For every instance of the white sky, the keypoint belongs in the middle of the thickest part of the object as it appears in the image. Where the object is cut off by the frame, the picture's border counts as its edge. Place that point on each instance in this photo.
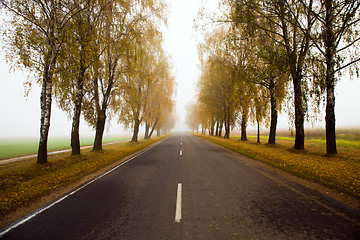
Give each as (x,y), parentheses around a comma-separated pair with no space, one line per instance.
(20,117)
(180,43)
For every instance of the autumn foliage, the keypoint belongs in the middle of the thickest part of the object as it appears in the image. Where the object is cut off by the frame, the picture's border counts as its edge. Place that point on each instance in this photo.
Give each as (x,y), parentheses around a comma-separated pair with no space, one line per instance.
(95,58)
(269,51)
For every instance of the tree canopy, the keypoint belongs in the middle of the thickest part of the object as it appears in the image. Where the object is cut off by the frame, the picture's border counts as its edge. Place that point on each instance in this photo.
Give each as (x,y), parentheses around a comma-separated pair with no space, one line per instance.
(276,50)
(85,53)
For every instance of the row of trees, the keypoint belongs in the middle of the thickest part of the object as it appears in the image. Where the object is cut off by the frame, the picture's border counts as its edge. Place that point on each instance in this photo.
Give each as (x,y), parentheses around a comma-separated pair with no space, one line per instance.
(96,58)
(263,52)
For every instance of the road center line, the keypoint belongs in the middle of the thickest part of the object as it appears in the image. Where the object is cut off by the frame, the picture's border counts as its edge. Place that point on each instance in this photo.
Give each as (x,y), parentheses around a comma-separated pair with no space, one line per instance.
(180,152)
(178,204)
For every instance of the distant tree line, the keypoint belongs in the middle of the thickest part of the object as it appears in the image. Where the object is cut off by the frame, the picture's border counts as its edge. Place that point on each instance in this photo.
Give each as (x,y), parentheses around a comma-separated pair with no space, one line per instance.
(97,58)
(264,53)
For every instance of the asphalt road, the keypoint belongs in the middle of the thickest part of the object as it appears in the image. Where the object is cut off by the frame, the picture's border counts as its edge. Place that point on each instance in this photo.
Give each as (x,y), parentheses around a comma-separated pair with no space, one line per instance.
(187,188)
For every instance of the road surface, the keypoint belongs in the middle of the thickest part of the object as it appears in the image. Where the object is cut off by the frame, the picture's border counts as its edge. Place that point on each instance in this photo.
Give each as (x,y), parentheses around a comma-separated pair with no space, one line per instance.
(187,188)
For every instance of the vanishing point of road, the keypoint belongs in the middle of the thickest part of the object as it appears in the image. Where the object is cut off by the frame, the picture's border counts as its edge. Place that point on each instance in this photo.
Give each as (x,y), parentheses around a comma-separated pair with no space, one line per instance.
(187,188)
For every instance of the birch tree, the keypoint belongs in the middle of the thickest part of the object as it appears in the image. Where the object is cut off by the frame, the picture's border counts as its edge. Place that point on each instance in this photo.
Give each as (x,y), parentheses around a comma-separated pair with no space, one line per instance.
(284,13)
(341,24)
(145,71)
(35,38)
(115,33)
(336,40)
(75,60)
(160,102)
(260,108)
(121,23)
(218,80)
(192,116)
(268,68)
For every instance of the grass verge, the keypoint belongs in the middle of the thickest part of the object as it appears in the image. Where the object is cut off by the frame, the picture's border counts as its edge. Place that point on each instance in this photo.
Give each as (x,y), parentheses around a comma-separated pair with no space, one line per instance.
(23,182)
(339,172)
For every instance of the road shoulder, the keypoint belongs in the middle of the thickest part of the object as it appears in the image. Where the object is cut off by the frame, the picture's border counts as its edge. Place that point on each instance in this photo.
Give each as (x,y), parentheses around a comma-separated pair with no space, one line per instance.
(340,197)
(58,193)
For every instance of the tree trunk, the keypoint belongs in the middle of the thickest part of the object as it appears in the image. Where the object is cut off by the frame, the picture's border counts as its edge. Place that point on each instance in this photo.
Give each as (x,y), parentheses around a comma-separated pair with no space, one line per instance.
(100,127)
(153,128)
(75,138)
(136,131)
(45,101)
(330,119)
(258,131)
(220,128)
(212,128)
(158,132)
(299,115)
(147,128)
(296,58)
(274,114)
(243,127)
(330,80)
(227,128)
(217,128)
(227,121)
(101,120)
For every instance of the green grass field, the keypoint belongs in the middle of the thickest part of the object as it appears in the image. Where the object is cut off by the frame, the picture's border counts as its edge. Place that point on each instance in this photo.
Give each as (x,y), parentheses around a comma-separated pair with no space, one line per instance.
(340,142)
(19,147)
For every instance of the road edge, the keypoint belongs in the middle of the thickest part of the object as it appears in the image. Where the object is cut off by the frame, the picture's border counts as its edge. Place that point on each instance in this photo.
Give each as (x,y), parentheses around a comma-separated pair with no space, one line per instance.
(314,186)
(23,212)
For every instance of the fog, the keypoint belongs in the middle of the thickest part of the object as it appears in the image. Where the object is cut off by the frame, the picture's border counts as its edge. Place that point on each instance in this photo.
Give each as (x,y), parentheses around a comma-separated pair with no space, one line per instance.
(20,116)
